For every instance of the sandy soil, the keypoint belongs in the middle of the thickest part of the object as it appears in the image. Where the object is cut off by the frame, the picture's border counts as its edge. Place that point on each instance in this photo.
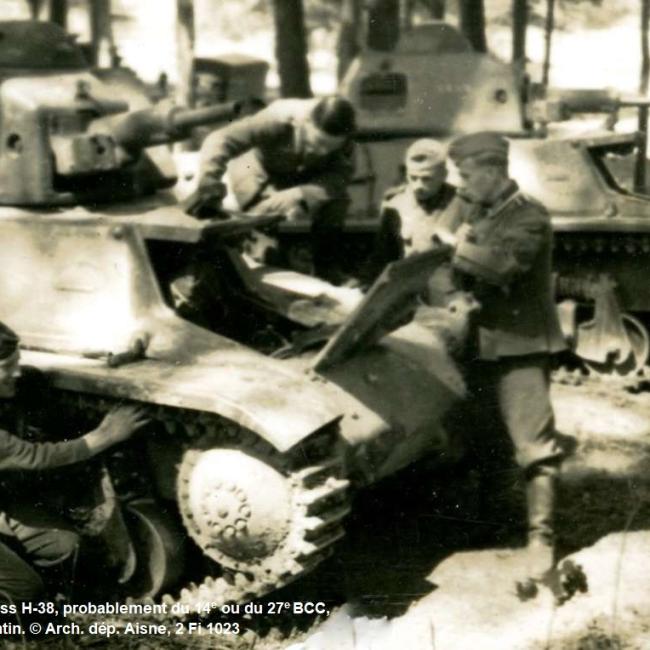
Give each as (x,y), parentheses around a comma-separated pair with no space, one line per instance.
(431,578)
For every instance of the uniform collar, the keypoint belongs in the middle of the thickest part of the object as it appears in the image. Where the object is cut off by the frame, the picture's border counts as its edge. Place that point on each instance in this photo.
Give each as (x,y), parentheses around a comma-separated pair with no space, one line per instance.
(434,201)
(510,189)
(508,192)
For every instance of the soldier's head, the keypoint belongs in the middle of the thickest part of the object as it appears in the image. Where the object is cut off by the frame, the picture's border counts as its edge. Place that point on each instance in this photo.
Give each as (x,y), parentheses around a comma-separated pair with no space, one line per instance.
(426,169)
(330,125)
(482,162)
(9,357)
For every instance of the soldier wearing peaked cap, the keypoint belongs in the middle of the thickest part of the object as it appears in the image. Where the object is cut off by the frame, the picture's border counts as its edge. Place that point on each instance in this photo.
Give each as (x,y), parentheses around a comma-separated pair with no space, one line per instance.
(410,213)
(502,253)
(30,535)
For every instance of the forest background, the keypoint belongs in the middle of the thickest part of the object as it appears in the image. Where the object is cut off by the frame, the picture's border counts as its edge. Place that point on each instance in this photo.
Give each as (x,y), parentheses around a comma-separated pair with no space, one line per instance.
(595,44)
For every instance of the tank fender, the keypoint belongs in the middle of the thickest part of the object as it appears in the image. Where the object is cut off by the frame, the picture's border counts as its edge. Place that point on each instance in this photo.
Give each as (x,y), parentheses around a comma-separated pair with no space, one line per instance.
(282,407)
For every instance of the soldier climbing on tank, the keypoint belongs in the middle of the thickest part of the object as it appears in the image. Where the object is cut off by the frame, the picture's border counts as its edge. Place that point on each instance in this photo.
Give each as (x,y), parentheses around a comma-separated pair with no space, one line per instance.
(32,535)
(298,164)
(501,242)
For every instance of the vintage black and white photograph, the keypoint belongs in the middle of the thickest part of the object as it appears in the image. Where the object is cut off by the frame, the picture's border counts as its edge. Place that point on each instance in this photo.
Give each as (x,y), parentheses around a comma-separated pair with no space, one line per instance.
(324,324)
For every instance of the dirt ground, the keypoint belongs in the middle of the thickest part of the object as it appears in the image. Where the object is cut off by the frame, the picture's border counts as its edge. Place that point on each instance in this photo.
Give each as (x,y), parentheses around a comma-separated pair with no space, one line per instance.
(437,574)
(428,562)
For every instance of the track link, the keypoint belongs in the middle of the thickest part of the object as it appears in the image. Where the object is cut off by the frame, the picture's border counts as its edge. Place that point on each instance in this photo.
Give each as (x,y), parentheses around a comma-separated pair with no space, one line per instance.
(318,503)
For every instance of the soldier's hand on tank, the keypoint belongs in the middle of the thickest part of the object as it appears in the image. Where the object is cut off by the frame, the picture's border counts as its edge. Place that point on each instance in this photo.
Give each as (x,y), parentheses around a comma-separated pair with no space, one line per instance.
(121,422)
(206,200)
(289,203)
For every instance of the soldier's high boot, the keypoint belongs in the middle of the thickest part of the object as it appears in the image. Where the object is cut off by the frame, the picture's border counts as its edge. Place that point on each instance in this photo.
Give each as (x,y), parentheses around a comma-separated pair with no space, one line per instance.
(540,496)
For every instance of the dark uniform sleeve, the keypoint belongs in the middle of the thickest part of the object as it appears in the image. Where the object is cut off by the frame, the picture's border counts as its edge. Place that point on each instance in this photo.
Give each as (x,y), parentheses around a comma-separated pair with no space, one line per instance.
(387,246)
(227,143)
(18,454)
(333,182)
(508,253)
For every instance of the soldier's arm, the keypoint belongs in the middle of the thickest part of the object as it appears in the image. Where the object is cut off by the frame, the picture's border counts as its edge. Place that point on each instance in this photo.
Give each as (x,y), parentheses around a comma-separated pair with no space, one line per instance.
(118,425)
(331,183)
(227,143)
(512,253)
(18,454)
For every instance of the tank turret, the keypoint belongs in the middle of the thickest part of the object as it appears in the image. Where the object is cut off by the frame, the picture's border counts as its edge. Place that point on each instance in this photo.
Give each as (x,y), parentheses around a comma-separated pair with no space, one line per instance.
(591,177)
(65,136)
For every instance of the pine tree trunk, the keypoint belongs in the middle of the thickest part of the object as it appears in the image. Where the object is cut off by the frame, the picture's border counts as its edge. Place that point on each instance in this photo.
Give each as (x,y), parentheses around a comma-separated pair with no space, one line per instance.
(59,12)
(347,44)
(437,9)
(184,51)
(291,48)
(472,23)
(103,49)
(645,54)
(549,24)
(383,24)
(519,24)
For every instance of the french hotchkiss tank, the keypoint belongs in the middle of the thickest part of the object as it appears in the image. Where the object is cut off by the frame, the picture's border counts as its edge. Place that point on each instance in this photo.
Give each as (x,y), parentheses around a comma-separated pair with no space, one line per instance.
(289,393)
(432,84)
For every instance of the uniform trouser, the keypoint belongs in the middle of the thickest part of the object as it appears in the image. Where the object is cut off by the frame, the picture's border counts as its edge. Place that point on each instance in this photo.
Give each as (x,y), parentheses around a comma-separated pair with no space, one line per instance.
(509,416)
(23,545)
(515,392)
(325,255)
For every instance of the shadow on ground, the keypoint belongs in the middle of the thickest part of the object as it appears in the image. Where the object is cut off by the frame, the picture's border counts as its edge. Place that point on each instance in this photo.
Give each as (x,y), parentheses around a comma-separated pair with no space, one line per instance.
(401,530)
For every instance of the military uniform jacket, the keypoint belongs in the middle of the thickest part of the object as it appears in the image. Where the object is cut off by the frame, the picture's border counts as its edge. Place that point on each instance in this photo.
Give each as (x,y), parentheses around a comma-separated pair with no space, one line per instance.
(276,158)
(407,226)
(505,259)
(18,454)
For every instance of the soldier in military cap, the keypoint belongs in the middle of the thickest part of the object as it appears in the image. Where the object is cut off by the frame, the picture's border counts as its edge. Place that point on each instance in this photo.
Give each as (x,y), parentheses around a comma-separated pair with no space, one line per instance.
(41,538)
(502,242)
(411,212)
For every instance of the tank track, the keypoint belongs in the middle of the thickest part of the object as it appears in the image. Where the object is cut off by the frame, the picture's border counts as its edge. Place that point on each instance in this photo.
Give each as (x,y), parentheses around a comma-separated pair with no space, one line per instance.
(319,503)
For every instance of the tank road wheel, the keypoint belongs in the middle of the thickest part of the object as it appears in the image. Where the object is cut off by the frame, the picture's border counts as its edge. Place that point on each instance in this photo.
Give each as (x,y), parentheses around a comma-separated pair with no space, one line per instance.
(249,508)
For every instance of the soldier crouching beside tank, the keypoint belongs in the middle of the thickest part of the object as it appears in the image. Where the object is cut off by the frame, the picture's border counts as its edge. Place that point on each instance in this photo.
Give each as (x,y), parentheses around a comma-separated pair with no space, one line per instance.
(298,164)
(47,540)
(502,243)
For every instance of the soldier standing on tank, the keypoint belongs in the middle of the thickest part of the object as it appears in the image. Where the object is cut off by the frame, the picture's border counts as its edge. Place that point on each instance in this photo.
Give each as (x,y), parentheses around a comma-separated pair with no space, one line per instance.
(502,242)
(42,538)
(298,164)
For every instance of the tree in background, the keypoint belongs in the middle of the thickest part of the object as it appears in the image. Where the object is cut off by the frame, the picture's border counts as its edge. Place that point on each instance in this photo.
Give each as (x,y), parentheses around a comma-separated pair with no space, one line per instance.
(549,24)
(472,23)
(383,24)
(291,48)
(519,25)
(436,8)
(59,12)
(347,42)
(645,54)
(185,37)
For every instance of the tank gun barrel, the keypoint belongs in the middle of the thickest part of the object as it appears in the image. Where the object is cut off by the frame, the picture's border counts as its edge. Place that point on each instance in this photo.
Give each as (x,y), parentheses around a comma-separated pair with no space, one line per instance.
(153,126)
